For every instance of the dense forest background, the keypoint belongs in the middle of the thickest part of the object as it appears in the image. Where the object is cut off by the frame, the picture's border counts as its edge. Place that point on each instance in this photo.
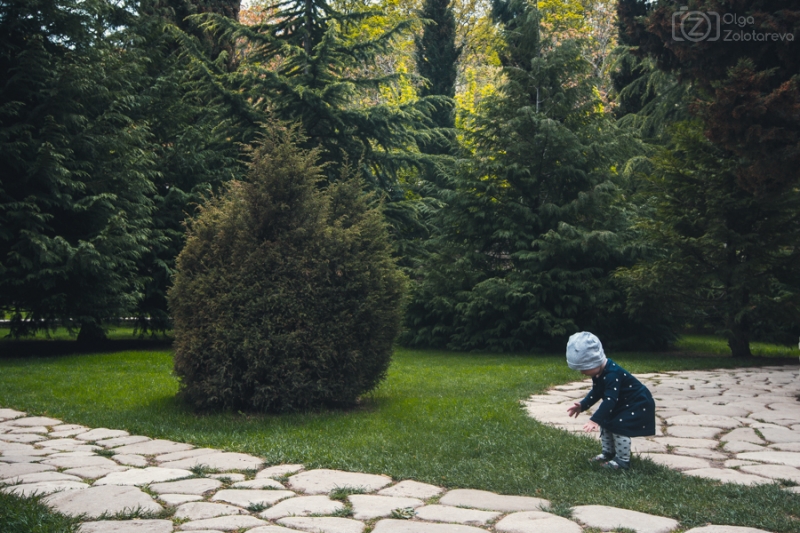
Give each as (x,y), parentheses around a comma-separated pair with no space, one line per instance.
(545,167)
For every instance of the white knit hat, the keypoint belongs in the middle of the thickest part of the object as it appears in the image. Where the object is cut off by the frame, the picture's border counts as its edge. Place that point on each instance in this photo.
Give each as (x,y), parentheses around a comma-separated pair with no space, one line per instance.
(584,351)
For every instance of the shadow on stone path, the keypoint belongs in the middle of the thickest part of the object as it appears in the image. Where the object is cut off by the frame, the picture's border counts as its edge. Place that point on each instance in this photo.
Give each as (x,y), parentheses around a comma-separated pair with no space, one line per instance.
(106,473)
(736,425)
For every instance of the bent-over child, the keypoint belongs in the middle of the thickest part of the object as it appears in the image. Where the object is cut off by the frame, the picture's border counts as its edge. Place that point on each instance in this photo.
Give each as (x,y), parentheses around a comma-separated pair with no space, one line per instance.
(628,409)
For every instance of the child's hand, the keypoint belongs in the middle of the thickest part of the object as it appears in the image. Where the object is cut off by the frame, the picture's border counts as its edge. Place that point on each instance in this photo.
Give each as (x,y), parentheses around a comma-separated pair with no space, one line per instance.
(575,410)
(590,426)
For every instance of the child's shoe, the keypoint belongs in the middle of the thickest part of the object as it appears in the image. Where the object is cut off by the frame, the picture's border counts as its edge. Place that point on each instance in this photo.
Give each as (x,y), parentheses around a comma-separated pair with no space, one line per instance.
(617,464)
(602,458)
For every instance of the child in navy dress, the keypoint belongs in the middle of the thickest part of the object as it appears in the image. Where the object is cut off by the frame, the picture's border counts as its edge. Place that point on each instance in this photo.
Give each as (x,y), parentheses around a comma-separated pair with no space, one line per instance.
(628,409)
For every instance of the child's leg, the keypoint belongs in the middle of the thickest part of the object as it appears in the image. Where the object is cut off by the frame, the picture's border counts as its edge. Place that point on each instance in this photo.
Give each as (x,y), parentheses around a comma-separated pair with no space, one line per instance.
(607,440)
(622,445)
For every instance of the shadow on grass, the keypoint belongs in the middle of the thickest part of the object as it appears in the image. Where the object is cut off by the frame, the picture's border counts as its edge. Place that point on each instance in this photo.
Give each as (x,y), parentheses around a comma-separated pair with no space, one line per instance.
(11,348)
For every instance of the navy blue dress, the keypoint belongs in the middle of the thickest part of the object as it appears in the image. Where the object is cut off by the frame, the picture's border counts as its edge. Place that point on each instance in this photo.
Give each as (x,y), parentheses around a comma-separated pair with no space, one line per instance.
(628,408)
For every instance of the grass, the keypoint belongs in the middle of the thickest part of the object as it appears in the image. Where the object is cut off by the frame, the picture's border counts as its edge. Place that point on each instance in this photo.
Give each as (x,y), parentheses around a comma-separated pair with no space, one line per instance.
(63,334)
(715,345)
(19,514)
(450,419)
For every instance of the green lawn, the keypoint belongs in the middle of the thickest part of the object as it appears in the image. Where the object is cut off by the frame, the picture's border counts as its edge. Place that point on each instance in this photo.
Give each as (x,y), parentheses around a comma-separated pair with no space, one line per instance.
(451,419)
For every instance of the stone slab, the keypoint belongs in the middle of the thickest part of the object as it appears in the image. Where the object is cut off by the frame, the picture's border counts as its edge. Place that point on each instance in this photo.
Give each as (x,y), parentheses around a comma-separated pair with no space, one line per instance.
(81,461)
(783,458)
(218,461)
(770,471)
(177,499)
(45,487)
(203,510)
(786,446)
(154,447)
(94,472)
(19,469)
(458,515)
(277,471)
(412,489)
(34,421)
(20,458)
(29,429)
(727,475)
(536,522)
(20,448)
(9,414)
(127,526)
(22,438)
(780,435)
(143,476)
(686,443)
(702,453)
(481,499)
(677,462)
(177,456)
(725,529)
(39,477)
(95,501)
(323,524)
(608,518)
(273,529)
(248,497)
(302,506)
(65,433)
(196,486)
(263,483)
(229,477)
(369,506)
(101,433)
(412,526)
(130,460)
(323,481)
(223,523)
(743,435)
(716,421)
(693,432)
(738,446)
(122,441)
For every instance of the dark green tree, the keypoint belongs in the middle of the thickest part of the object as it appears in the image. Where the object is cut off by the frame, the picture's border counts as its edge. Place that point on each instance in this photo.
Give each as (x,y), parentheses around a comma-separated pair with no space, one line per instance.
(534,222)
(286,296)
(77,167)
(718,255)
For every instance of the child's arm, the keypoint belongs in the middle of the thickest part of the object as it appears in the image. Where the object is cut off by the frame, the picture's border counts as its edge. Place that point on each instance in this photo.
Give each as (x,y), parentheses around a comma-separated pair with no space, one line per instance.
(610,398)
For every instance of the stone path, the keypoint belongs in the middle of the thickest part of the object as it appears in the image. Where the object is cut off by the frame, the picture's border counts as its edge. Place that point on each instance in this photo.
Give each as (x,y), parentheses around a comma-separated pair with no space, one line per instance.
(736,426)
(127,483)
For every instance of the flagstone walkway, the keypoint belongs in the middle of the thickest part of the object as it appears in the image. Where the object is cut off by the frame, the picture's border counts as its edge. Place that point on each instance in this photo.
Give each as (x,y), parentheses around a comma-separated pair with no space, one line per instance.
(736,426)
(118,482)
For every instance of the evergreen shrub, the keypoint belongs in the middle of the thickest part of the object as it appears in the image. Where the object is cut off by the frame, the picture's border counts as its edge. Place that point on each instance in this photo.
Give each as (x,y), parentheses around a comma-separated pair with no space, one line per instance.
(285,296)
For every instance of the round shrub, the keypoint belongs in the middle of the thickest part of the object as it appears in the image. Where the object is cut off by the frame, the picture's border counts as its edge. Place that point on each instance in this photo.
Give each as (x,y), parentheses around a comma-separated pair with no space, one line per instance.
(285,296)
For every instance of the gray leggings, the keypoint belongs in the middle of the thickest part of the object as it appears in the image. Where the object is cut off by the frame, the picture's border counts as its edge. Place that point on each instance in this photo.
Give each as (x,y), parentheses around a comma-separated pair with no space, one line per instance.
(617,446)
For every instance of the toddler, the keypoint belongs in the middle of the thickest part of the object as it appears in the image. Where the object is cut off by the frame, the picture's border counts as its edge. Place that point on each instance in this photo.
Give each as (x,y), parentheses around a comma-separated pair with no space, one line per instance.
(628,409)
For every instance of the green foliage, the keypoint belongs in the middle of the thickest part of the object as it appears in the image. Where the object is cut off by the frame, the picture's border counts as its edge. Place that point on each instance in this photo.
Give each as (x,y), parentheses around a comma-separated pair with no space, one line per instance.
(720,255)
(535,221)
(20,514)
(285,296)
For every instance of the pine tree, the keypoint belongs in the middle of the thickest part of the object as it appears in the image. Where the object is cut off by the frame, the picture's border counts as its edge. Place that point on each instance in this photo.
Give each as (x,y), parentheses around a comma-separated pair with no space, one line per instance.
(534,222)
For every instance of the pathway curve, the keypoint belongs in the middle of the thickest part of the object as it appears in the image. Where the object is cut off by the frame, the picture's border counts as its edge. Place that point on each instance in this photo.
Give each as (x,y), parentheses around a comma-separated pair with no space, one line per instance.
(734,425)
(127,483)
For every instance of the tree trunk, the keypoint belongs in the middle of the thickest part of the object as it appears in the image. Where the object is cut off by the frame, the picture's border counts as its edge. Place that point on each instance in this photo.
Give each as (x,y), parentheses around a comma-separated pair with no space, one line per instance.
(739,338)
(91,333)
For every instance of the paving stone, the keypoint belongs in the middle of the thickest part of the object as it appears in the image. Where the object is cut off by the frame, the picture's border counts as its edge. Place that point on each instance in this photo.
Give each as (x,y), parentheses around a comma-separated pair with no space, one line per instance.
(775,417)
(41,476)
(9,414)
(302,506)
(279,471)
(67,445)
(273,529)
(20,458)
(223,523)
(786,446)
(686,443)
(726,475)
(78,462)
(130,460)
(95,501)
(677,462)
(19,448)
(248,497)
(647,446)
(94,472)
(31,429)
(45,487)
(203,510)
(154,447)
(412,526)
(143,476)
(230,477)
(733,463)
(459,515)
(323,524)
(22,438)
(263,483)
(703,408)
(770,471)
(701,452)
(187,486)
(536,522)
(177,456)
(743,435)
(64,433)
(127,526)
(218,461)
(122,441)
(780,435)
(693,432)
(725,529)
(19,469)
(177,499)
(323,481)
(481,499)
(741,447)
(412,489)
(368,506)
(34,421)
(70,427)
(783,458)
(102,433)
(716,421)
(608,518)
